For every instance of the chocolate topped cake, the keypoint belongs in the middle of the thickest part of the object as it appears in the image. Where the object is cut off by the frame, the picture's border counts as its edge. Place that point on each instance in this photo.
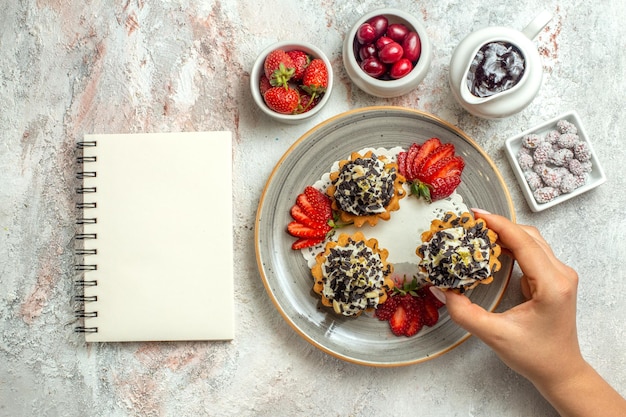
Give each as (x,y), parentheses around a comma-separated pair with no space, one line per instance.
(366,188)
(352,275)
(459,252)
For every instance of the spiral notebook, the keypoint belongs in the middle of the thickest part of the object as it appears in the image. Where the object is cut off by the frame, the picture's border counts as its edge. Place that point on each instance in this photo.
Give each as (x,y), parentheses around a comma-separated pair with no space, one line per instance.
(155,242)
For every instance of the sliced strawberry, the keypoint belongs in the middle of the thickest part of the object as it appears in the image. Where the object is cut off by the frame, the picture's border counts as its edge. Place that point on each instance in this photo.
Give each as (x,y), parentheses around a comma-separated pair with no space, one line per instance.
(308,209)
(320,203)
(410,156)
(441,188)
(446,167)
(301,217)
(305,242)
(416,320)
(402,156)
(409,303)
(427,147)
(431,312)
(399,321)
(441,152)
(299,230)
(425,292)
(385,310)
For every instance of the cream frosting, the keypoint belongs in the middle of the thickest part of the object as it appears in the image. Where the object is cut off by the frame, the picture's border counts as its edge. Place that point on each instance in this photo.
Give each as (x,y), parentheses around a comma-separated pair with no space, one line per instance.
(364,186)
(353,278)
(457,257)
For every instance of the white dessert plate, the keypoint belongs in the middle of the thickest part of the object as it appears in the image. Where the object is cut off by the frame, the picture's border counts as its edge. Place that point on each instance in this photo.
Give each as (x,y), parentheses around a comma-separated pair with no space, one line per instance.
(285,274)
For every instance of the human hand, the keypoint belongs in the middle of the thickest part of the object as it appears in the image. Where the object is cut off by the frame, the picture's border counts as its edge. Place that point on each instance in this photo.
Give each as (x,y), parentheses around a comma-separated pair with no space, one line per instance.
(537,338)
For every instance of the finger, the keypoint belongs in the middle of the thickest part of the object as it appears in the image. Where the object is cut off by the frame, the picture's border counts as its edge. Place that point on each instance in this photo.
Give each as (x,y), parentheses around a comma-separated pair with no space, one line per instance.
(469,316)
(541,241)
(529,253)
(525,286)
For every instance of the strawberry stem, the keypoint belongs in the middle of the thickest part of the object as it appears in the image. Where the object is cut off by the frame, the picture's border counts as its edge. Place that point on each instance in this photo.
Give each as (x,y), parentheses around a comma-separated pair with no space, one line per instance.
(420,189)
(309,103)
(281,76)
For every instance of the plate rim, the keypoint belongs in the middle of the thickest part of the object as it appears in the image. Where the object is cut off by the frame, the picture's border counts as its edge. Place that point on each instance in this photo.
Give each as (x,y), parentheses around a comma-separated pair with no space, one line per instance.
(268,182)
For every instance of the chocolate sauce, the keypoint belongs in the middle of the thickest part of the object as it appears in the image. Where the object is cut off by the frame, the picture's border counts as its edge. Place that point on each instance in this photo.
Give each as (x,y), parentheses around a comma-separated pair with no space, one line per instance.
(497,67)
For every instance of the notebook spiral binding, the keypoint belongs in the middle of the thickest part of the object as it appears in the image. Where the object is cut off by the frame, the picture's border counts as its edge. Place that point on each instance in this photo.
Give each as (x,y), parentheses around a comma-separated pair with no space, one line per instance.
(85,266)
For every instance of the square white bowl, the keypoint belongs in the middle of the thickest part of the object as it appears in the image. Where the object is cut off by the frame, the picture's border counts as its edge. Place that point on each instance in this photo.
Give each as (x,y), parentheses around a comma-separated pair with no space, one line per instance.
(513,145)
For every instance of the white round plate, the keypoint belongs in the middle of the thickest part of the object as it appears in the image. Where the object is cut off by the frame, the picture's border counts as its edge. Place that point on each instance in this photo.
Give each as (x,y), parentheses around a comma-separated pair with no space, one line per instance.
(288,280)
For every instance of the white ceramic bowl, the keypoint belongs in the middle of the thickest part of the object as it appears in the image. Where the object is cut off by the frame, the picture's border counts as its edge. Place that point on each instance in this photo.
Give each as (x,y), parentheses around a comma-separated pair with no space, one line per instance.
(257,72)
(514,144)
(388,88)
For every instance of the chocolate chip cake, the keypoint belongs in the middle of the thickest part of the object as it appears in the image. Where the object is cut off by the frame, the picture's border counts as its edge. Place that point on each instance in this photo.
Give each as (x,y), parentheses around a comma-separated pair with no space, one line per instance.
(352,274)
(459,252)
(366,188)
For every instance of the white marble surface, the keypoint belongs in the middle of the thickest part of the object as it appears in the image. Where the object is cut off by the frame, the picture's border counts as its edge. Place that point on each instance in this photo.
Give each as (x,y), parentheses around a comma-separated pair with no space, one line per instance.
(70,67)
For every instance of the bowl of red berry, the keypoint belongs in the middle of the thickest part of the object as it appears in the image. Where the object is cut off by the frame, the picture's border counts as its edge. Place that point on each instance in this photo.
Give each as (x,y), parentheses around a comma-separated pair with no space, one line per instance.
(387,53)
(291,81)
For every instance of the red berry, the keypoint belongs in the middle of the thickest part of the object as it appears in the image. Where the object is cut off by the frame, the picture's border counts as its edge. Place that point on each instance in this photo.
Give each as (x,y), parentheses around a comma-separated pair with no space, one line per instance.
(416,319)
(425,149)
(400,68)
(443,187)
(278,67)
(282,100)
(430,312)
(397,31)
(306,102)
(412,47)
(449,166)
(399,321)
(373,67)
(366,33)
(301,217)
(300,230)
(432,169)
(439,153)
(380,24)
(425,292)
(300,61)
(315,79)
(390,53)
(366,51)
(382,41)
(385,310)
(408,164)
(306,242)
(264,84)
(320,203)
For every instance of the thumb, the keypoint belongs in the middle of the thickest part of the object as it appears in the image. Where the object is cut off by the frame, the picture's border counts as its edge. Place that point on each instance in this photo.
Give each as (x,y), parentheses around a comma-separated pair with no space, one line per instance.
(468,315)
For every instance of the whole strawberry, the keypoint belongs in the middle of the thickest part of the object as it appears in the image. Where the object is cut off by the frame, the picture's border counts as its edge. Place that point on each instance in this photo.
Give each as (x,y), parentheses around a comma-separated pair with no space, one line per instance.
(264,84)
(278,67)
(300,60)
(315,79)
(306,102)
(284,100)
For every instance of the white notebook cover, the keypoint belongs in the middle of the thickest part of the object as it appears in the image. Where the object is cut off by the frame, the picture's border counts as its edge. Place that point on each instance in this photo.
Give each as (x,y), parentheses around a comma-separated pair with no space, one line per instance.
(164,237)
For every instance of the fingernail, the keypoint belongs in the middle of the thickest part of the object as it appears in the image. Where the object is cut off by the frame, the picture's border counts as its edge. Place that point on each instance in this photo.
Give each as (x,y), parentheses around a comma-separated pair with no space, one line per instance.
(480,211)
(439,295)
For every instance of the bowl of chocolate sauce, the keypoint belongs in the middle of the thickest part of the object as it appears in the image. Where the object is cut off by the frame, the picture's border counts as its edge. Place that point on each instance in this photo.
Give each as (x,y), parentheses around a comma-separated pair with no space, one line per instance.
(496,71)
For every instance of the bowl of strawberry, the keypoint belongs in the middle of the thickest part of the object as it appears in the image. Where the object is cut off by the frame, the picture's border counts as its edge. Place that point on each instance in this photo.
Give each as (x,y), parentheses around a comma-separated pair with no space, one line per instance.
(291,81)
(387,53)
